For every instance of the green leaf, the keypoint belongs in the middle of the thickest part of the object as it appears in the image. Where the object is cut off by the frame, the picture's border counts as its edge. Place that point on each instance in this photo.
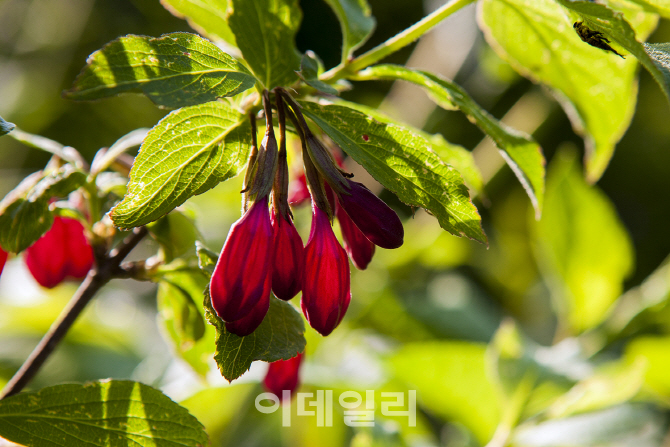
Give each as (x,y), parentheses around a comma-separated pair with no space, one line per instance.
(188,152)
(613,384)
(402,162)
(206,17)
(111,412)
(450,380)
(279,337)
(653,351)
(265,32)
(6,127)
(518,149)
(623,425)
(24,212)
(583,248)
(539,41)
(174,70)
(356,22)
(179,295)
(661,7)
(206,259)
(309,72)
(176,234)
(660,54)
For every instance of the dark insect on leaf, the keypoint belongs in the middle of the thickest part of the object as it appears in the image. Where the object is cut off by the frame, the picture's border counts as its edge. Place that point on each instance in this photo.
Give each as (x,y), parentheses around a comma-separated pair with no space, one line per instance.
(594,38)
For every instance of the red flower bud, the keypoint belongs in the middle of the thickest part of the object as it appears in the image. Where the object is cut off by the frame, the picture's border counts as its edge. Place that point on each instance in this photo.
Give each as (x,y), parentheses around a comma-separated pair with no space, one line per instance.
(243,273)
(289,259)
(358,247)
(61,252)
(379,223)
(326,287)
(3,259)
(283,375)
(247,324)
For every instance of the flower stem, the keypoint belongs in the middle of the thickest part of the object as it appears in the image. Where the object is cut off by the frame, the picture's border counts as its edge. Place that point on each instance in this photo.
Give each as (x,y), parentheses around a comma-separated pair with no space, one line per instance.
(108,269)
(396,42)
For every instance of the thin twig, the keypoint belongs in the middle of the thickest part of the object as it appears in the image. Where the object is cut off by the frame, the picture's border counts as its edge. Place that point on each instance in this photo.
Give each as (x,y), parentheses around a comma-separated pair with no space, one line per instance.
(94,281)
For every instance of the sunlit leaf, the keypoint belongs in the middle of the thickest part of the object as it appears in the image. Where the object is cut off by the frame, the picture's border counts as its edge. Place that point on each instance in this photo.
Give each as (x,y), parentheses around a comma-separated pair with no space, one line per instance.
(279,337)
(24,212)
(623,425)
(583,247)
(188,152)
(173,70)
(653,351)
(265,33)
(309,72)
(596,88)
(356,22)
(520,151)
(206,17)
(611,385)
(402,161)
(450,380)
(111,412)
(661,7)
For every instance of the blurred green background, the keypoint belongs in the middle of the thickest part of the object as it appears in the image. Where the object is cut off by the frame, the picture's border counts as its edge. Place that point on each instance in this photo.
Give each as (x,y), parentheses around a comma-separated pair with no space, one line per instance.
(560,329)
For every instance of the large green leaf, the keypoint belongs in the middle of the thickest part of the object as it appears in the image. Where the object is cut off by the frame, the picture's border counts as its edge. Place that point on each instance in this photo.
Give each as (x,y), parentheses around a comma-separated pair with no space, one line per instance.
(356,22)
(452,154)
(6,127)
(520,151)
(179,295)
(188,152)
(279,337)
(206,17)
(265,32)
(583,248)
(111,412)
(402,161)
(661,7)
(451,381)
(24,212)
(173,70)
(537,38)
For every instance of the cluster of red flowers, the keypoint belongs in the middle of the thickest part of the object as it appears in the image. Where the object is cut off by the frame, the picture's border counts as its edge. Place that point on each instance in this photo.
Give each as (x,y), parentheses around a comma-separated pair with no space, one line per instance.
(62,252)
(263,251)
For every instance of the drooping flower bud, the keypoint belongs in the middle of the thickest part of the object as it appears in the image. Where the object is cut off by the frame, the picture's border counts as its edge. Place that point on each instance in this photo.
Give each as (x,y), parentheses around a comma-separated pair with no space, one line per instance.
(326,285)
(379,223)
(283,375)
(289,258)
(243,273)
(358,247)
(3,259)
(61,252)
(247,324)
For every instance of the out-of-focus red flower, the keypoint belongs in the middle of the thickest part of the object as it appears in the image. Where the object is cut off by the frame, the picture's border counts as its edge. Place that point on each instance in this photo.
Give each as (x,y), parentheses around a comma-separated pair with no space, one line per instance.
(61,252)
(297,190)
(3,259)
(283,375)
(379,223)
(250,322)
(243,273)
(289,258)
(358,247)
(326,285)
